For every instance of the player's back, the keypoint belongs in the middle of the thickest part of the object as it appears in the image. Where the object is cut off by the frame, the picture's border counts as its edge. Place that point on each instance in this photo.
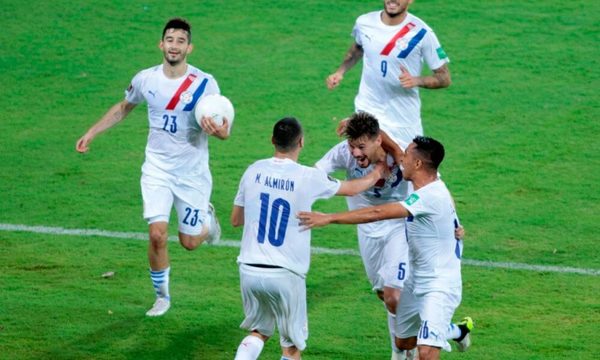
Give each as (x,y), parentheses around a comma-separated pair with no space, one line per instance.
(272,192)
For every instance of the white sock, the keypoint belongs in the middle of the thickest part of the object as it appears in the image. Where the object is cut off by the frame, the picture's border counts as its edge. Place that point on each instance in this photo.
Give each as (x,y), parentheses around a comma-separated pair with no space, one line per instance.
(249,348)
(412,354)
(392,329)
(454,332)
(160,281)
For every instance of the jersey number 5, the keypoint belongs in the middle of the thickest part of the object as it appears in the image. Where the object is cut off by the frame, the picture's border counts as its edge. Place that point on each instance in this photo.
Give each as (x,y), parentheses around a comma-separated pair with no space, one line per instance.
(280,214)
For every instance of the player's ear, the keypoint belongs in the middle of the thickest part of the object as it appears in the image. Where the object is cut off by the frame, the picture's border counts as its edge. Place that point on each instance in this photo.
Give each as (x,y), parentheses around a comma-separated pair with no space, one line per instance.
(190,48)
(301,142)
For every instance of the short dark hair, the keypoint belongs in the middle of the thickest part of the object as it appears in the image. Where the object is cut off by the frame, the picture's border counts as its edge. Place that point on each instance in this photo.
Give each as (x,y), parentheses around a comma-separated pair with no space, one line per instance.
(178,24)
(430,150)
(361,124)
(286,134)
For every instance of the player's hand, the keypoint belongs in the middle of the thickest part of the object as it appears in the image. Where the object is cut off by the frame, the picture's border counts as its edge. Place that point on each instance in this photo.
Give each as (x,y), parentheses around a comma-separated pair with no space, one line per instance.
(309,220)
(211,128)
(382,169)
(459,233)
(334,80)
(83,143)
(341,128)
(407,80)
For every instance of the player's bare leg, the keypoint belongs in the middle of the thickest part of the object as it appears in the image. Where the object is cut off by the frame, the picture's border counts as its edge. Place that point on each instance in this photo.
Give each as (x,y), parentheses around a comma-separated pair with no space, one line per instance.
(428,352)
(211,232)
(159,267)
(391,297)
(291,352)
(408,347)
(190,242)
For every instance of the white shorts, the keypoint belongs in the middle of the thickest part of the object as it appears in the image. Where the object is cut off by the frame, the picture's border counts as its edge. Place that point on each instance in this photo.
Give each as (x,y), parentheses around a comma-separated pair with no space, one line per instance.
(427,316)
(190,197)
(386,257)
(275,297)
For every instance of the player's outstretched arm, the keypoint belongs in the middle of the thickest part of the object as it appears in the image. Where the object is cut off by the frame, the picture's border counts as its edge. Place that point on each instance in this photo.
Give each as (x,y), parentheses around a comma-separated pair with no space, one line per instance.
(310,220)
(355,186)
(115,114)
(354,54)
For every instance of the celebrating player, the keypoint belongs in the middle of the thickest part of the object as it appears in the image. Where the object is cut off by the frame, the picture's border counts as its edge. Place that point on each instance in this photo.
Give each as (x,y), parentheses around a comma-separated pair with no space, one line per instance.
(394,44)
(275,255)
(175,171)
(433,289)
(382,244)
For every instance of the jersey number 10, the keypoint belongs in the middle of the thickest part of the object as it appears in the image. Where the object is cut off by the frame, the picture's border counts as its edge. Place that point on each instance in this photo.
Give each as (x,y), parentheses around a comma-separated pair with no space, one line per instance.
(280,214)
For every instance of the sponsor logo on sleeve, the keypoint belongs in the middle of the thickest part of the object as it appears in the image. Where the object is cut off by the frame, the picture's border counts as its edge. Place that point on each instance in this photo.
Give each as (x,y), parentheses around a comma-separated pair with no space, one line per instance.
(412,199)
(441,53)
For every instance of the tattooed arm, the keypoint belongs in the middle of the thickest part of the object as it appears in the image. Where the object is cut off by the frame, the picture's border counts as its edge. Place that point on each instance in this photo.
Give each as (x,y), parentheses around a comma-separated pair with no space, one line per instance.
(354,54)
(439,79)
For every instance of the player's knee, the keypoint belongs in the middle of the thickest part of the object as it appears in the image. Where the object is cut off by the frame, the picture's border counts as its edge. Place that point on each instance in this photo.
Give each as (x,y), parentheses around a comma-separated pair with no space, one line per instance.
(429,353)
(158,238)
(380,295)
(291,352)
(391,303)
(406,344)
(391,298)
(190,242)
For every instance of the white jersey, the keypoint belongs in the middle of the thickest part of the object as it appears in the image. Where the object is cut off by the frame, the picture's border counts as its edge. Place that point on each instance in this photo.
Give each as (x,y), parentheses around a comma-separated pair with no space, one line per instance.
(434,252)
(386,48)
(272,191)
(392,189)
(176,144)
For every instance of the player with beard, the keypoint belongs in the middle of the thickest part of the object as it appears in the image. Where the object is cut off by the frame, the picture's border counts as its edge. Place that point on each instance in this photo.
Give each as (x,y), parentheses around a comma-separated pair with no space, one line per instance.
(175,171)
(382,244)
(393,45)
(433,289)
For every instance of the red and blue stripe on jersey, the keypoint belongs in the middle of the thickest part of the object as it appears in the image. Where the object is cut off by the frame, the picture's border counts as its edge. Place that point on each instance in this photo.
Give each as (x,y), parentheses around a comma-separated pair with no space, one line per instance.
(400,34)
(189,80)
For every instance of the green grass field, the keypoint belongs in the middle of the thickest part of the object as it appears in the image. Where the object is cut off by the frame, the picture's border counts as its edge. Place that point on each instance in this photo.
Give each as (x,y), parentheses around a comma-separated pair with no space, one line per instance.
(520,126)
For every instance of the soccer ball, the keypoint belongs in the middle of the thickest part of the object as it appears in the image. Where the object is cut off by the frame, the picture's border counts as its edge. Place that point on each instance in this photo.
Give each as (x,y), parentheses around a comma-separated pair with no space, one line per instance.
(215,106)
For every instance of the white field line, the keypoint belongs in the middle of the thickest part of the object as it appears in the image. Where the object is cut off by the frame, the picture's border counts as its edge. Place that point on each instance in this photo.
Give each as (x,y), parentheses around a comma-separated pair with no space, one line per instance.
(315,250)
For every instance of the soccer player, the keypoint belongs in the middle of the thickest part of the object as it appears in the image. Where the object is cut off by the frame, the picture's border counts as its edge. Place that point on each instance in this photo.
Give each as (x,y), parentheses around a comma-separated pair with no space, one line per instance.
(382,244)
(275,255)
(433,289)
(175,171)
(393,45)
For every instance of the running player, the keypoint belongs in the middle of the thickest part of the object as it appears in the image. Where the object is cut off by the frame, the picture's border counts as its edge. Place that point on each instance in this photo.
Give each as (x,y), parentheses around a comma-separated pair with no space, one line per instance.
(175,171)
(275,255)
(393,45)
(382,244)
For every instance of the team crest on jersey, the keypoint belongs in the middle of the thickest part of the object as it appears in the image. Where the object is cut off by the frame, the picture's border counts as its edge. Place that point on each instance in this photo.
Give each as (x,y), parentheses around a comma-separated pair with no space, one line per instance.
(401,44)
(186,97)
